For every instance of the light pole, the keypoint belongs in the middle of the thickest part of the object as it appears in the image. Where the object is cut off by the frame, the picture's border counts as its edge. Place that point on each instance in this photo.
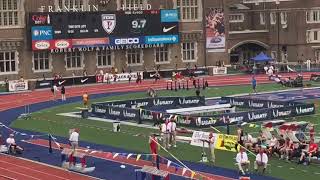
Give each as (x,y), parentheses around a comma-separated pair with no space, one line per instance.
(301,63)
(278,30)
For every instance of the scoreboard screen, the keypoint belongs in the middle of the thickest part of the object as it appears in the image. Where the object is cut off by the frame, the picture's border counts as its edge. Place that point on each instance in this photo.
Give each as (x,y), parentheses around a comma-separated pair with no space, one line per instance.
(67,29)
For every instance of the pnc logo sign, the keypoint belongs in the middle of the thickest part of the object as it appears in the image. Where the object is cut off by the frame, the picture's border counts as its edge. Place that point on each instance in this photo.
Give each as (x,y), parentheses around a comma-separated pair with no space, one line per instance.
(42,33)
(123,41)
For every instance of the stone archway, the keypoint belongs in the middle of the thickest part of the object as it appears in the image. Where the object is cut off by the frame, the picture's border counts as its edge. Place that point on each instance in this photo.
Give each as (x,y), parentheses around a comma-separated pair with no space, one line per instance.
(241,52)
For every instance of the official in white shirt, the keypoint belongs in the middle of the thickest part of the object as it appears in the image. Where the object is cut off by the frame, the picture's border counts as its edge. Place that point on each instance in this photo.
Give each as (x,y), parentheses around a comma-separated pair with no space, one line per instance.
(74,139)
(261,160)
(13,147)
(55,89)
(242,160)
(173,133)
(211,147)
(165,132)
(10,140)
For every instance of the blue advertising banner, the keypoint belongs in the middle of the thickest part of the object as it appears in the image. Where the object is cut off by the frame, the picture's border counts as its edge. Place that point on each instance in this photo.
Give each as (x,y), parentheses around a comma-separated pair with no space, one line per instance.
(138,110)
(162,39)
(256,103)
(41,33)
(116,41)
(169,15)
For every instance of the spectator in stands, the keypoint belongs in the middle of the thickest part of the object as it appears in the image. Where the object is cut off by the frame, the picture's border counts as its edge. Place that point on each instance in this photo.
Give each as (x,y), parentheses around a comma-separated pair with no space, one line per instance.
(297,150)
(85,99)
(63,93)
(287,149)
(273,144)
(242,161)
(261,161)
(74,138)
(248,141)
(261,141)
(279,146)
(240,137)
(311,131)
(312,151)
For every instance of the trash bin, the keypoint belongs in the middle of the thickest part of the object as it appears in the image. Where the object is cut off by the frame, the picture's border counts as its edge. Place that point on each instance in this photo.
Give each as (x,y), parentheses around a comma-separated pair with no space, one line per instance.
(85,114)
(116,126)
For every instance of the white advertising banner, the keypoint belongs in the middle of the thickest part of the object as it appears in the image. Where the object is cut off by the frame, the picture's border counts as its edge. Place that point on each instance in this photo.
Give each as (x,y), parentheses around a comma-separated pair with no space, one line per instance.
(219,70)
(18,86)
(121,77)
(199,136)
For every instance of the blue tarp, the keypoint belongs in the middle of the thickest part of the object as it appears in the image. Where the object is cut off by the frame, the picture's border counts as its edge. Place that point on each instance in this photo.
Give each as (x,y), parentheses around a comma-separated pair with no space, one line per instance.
(261,58)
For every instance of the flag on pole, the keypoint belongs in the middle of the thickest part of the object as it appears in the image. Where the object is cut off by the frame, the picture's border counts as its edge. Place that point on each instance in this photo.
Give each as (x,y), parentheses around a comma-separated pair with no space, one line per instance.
(168,164)
(184,171)
(129,155)
(192,174)
(138,157)
(115,155)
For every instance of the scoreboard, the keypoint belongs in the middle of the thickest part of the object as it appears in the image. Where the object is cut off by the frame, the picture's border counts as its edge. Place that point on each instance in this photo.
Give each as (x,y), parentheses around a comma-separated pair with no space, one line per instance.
(70,29)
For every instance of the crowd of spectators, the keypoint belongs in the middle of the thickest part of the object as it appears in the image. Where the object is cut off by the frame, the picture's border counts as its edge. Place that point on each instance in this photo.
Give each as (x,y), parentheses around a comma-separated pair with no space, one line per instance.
(301,151)
(267,145)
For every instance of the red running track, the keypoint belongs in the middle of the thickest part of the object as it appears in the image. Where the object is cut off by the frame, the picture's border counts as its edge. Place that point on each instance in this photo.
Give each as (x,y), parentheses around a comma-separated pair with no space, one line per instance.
(21,99)
(108,156)
(12,168)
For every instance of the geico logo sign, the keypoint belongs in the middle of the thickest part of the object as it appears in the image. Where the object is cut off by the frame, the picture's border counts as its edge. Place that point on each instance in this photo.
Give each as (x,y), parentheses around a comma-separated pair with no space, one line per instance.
(127,41)
(42,45)
(62,44)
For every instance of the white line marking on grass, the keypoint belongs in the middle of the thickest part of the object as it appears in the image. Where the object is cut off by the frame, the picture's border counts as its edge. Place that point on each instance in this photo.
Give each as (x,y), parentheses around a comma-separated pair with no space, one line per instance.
(292,168)
(265,92)
(72,114)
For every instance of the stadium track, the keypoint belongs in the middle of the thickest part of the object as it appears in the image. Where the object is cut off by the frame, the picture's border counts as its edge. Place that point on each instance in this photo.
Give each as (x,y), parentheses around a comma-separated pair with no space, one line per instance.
(21,99)
(16,168)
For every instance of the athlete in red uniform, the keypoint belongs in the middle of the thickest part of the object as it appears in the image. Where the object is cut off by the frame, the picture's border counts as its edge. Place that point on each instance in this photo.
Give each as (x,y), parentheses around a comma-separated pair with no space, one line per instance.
(153,143)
